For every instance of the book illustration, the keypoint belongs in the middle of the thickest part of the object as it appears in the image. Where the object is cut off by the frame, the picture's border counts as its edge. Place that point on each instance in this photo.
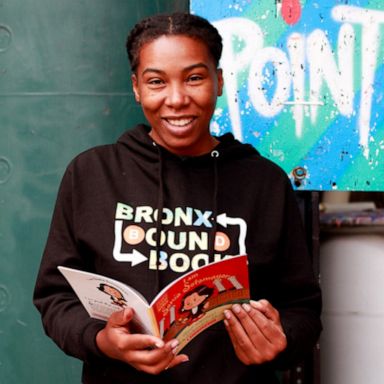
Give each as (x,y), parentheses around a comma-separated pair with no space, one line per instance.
(182,310)
(115,295)
(195,302)
(187,315)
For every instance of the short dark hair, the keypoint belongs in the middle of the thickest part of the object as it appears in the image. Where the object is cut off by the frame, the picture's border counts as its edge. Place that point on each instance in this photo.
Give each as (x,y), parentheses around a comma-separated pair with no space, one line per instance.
(177,23)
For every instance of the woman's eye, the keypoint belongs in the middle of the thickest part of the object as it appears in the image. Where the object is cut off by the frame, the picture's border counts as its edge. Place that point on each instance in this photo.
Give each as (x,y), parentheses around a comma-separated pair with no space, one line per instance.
(195,78)
(155,82)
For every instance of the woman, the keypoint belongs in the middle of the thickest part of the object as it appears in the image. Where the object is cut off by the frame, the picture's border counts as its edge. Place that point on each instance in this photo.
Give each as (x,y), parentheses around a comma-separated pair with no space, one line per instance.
(153,205)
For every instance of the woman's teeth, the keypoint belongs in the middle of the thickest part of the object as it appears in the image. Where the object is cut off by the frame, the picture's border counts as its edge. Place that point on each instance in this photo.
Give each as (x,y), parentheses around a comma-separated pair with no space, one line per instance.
(179,122)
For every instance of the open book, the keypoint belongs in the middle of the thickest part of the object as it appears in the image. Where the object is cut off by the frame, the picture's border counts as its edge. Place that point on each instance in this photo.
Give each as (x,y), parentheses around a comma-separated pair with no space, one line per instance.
(182,310)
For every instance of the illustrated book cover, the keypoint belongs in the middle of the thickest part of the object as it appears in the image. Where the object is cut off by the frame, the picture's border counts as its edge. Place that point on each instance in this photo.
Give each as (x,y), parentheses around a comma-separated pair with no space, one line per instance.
(182,310)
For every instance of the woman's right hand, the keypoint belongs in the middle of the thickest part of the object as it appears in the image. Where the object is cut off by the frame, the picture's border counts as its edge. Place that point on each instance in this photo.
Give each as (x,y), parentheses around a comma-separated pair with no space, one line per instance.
(144,352)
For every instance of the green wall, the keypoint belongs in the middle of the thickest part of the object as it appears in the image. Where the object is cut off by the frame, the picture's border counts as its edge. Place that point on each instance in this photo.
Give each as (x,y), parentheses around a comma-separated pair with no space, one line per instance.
(64,87)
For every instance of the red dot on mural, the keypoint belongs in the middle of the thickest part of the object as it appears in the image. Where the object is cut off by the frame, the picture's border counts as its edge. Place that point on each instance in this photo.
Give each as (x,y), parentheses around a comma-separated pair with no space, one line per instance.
(291,11)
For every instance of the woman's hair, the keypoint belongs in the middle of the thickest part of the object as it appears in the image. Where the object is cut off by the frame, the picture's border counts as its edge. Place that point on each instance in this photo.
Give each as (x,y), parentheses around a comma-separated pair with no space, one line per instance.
(177,23)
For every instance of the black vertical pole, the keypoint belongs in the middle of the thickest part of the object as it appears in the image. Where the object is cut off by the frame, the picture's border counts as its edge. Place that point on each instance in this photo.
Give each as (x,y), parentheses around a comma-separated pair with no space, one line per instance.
(308,372)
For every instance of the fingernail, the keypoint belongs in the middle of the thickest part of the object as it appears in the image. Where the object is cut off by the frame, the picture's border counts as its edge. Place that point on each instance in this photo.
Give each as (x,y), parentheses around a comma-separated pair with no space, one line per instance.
(185,359)
(174,351)
(226,323)
(159,344)
(236,308)
(255,304)
(246,307)
(227,314)
(174,344)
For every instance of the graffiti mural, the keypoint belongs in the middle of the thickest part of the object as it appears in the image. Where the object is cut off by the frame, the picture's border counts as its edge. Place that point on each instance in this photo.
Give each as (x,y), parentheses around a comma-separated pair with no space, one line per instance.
(304,83)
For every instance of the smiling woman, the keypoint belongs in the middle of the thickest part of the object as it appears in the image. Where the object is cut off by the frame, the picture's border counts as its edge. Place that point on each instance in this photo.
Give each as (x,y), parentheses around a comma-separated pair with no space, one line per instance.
(178,93)
(169,198)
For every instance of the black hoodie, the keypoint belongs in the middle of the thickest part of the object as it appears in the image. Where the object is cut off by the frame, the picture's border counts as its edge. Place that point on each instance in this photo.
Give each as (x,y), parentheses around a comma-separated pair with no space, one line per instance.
(106,221)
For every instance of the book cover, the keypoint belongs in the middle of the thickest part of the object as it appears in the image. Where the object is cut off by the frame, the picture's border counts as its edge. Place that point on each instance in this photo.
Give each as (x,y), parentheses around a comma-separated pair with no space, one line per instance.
(182,310)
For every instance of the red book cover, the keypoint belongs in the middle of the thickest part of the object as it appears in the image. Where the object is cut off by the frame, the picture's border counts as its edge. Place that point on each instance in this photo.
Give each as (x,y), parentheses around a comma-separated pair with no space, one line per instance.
(182,310)
(197,300)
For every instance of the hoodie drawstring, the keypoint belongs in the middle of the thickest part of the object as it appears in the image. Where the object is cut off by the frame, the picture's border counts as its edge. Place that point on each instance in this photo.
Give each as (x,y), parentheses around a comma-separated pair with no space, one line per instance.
(160,206)
(211,249)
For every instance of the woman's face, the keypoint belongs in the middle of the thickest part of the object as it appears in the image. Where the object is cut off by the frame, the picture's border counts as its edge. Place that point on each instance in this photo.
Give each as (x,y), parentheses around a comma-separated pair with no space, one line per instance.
(177,84)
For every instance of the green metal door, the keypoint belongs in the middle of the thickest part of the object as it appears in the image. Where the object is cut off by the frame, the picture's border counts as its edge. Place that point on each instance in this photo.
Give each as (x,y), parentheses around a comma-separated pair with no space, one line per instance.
(64,87)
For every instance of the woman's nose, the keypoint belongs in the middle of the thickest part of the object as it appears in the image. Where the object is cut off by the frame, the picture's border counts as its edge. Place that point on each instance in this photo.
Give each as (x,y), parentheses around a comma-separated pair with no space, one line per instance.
(177,96)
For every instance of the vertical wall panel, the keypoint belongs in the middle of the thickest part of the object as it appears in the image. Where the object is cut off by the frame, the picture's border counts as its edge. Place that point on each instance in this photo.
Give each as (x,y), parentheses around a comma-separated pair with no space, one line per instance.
(64,87)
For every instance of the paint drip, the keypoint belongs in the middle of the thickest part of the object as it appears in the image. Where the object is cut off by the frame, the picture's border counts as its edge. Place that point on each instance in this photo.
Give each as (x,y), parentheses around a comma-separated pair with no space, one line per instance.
(291,11)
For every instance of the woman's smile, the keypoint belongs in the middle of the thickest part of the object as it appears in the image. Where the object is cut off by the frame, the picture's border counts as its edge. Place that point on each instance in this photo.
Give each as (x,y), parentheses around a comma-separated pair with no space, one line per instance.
(179,122)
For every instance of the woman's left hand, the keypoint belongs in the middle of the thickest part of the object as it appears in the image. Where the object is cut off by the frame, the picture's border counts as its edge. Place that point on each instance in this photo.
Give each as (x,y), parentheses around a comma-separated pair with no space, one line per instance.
(255,331)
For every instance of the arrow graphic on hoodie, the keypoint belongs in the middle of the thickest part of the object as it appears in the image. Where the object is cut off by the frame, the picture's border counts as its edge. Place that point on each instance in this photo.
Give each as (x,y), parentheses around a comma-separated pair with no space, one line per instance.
(225,220)
(135,257)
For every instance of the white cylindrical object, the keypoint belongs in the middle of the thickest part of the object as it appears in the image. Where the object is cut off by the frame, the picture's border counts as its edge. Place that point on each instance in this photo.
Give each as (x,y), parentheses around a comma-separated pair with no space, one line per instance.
(352,279)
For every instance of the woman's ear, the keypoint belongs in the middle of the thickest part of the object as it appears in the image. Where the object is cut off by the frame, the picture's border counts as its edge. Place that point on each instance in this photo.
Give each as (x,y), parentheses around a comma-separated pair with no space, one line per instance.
(135,88)
(220,82)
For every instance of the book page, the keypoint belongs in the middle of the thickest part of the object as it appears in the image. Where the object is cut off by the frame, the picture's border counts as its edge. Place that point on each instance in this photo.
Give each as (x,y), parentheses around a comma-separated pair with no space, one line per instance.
(198,299)
(101,296)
